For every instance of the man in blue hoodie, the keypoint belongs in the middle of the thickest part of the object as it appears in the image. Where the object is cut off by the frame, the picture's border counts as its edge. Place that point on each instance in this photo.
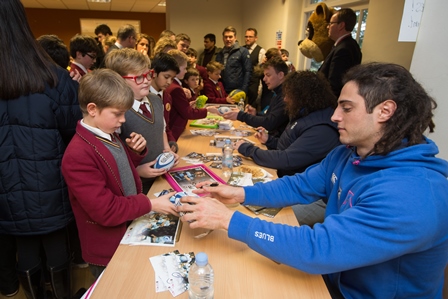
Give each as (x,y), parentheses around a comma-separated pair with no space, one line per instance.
(385,233)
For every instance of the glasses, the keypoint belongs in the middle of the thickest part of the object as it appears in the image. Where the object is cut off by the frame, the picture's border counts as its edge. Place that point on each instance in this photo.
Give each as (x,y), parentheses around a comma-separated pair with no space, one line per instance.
(91,56)
(140,79)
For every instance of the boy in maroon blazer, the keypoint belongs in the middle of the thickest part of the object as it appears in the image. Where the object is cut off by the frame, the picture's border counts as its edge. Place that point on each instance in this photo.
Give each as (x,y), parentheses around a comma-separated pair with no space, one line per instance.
(181,111)
(84,51)
(213,88)
(100,170)
(191,82)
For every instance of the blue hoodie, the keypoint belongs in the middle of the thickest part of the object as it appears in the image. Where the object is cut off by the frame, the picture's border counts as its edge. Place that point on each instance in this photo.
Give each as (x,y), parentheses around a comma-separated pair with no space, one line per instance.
(385,233)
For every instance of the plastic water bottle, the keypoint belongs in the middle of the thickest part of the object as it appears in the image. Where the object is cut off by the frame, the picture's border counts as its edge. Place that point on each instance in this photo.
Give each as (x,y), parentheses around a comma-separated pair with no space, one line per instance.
(227,159)
(241,105)
(200,278)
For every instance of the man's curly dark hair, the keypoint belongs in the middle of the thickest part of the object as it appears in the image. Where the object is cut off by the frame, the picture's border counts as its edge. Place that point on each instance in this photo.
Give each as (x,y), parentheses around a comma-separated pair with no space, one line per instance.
(378,82)
(306,92)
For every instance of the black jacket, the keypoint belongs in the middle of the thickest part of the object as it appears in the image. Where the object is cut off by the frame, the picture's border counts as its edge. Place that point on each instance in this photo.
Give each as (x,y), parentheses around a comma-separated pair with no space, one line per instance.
(238,69)
(304,142)
(275,119)
(34,132)
(341,58)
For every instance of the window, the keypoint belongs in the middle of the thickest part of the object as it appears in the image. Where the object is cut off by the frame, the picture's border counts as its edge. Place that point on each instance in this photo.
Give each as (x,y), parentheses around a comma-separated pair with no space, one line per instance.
(357,33)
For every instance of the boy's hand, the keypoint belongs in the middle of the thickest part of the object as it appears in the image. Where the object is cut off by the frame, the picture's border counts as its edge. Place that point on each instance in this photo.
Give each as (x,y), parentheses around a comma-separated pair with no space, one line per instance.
(147,171)
(212,109)
(136,142)
(187,93)
(230,100)
(163,204)
(176,156)
(75,75)
(232,114)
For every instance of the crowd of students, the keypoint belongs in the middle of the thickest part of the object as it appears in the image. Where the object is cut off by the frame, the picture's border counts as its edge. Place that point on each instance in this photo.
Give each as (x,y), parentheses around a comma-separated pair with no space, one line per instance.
(75,150)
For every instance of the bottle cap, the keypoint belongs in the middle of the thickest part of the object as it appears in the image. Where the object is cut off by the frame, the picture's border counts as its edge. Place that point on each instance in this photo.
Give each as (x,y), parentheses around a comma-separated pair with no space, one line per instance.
(201,259)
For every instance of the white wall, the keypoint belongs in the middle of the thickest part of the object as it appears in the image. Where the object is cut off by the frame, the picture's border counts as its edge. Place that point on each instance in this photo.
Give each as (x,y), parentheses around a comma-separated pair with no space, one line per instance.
(272,16)
(199,17)
(430,67)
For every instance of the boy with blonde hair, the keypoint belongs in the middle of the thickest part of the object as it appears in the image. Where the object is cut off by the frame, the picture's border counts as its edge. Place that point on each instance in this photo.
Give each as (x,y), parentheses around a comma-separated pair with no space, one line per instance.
(104,188)
(181,111)
(213,88)
(146,115)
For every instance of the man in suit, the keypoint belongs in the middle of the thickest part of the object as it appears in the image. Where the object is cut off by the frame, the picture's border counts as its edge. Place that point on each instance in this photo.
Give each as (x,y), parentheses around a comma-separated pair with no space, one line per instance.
(345,53)
(256,57)
(126,38)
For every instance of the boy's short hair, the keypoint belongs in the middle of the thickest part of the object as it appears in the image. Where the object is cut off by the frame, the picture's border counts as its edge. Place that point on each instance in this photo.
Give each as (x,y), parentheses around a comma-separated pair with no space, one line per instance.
(105,88)
(104,29)
(55,48)
(192,52)
(182,37)
(127,61)
(83,44)
(213,66)
(180,56)
(163,62)
(284,52)
(211,37)
(163,43)
(191,72)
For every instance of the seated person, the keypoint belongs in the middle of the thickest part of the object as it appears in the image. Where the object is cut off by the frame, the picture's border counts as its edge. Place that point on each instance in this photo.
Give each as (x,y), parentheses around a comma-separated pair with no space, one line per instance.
(191,82)
(146,114)
(84,50)
(385,229)
(181,110)
(275,119)
(213,88)
(104,187)
(310,134)
(265,93)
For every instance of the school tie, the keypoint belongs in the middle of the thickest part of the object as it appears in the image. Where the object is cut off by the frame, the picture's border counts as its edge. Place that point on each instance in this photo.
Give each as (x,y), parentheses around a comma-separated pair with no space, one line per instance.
(145,110)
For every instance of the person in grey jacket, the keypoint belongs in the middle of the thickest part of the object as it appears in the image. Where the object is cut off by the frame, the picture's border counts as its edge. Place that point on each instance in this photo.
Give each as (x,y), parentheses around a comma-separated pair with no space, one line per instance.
(236,60)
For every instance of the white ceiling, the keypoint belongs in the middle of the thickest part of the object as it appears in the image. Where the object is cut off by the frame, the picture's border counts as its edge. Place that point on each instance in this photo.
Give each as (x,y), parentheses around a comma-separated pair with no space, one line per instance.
(115,5)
